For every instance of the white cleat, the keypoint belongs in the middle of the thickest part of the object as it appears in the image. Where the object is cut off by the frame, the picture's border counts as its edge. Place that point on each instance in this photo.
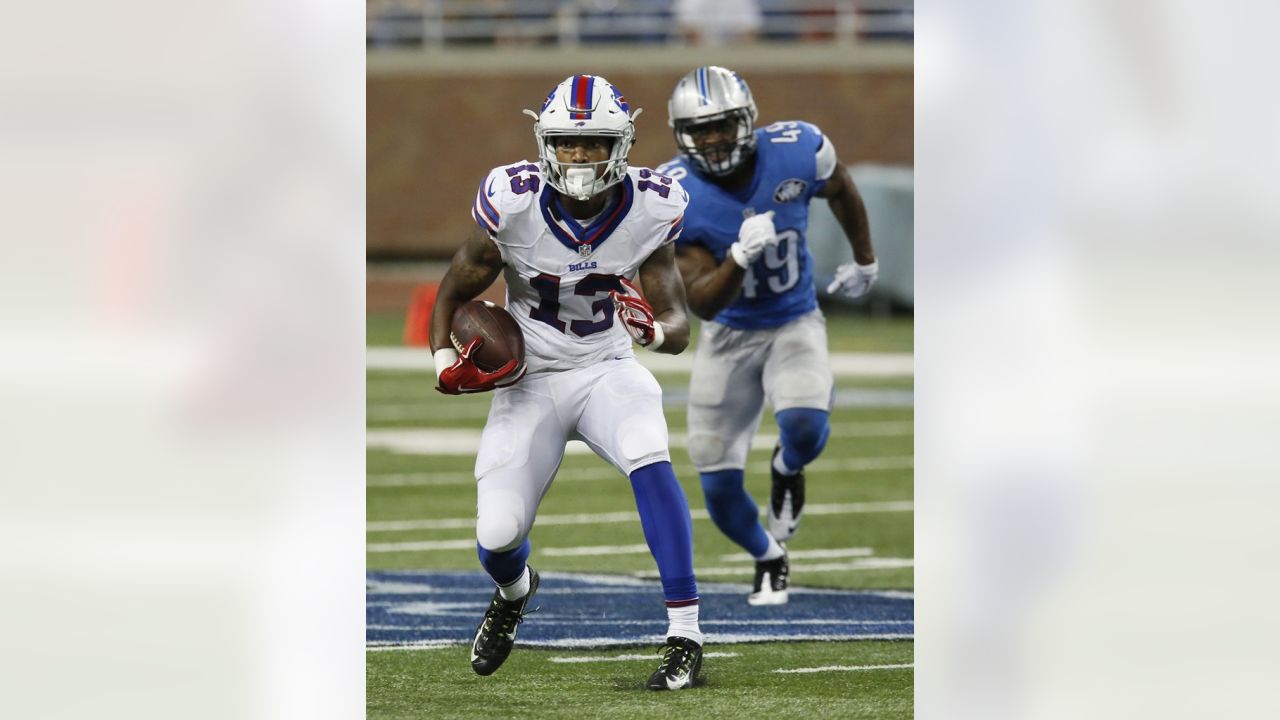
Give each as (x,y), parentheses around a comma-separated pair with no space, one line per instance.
(772,579)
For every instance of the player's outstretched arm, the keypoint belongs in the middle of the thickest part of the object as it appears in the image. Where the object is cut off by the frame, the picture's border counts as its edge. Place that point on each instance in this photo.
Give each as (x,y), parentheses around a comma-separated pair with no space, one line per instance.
(664,292)
(845,201)
(474,268)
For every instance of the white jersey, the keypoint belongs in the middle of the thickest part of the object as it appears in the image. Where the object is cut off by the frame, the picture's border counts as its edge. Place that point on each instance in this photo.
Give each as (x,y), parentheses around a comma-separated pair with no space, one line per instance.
(559,272)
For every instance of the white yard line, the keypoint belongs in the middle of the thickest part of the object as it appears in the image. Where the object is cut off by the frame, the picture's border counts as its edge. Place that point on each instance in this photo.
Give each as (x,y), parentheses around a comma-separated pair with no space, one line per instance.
(618,658)
(842,364)
(605,472)
(422,546)
(807,554)
(466,441)
(630,516)
(594,550)
(844,668)
(864,564)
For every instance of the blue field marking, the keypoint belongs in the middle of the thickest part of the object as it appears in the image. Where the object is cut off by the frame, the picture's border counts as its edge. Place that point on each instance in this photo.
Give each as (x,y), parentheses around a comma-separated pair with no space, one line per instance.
(418,608)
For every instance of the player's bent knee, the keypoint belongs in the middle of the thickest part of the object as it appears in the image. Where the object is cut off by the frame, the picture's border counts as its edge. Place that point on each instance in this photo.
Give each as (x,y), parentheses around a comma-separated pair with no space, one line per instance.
(500,521)
(804,429)
(705,449)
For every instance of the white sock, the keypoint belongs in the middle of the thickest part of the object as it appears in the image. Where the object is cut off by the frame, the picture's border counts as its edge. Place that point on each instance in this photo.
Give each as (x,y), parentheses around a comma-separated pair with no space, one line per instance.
(683,622)
(782,467)
(517,589)
(773,552)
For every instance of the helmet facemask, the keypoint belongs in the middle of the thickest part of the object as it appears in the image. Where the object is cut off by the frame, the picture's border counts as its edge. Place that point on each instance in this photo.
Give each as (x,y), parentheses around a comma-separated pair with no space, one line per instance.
(583,180)
(724,157)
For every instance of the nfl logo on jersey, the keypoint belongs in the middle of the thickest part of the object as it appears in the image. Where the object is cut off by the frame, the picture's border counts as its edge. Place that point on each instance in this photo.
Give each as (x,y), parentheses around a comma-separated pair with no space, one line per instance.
(789,190)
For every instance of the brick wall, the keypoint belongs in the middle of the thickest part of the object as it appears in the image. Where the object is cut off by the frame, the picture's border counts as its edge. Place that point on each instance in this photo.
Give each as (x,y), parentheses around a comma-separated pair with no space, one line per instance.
(431,138)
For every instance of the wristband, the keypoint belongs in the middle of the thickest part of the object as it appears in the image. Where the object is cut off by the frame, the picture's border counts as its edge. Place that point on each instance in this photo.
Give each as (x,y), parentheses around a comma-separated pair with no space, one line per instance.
(443,358)
(658,336)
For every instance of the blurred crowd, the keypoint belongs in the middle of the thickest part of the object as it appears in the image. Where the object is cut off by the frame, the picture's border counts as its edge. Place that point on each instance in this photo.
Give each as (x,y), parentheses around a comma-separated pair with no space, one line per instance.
(416,23)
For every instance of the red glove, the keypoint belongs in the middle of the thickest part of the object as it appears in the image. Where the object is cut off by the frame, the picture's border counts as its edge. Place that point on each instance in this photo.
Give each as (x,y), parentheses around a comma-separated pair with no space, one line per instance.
(464,376)
(636,316)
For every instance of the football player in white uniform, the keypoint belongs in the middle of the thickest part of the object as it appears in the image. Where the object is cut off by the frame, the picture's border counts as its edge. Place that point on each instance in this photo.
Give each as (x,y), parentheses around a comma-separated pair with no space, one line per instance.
(748,272)
(571,234)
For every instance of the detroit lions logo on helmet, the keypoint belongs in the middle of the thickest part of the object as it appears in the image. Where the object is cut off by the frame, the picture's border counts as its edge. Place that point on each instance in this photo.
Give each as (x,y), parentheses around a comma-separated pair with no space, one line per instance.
(789,190)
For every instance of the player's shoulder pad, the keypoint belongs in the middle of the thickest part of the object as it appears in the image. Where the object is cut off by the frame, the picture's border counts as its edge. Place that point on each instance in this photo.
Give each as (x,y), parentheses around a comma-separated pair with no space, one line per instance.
(663,199)
(798,136)
(504,191)
(792,133)
(824,152)
(662,195)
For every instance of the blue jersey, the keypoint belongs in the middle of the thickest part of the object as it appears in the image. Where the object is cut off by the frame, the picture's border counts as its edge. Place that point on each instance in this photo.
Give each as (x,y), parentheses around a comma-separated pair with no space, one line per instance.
(793,162)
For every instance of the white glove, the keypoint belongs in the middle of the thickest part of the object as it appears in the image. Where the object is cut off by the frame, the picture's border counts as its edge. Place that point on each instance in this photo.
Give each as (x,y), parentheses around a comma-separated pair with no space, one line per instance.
(756,233)
(853,280)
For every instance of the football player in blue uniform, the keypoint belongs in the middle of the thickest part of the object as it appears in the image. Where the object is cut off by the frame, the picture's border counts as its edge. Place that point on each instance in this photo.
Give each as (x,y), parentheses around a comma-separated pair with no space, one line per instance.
(749,274)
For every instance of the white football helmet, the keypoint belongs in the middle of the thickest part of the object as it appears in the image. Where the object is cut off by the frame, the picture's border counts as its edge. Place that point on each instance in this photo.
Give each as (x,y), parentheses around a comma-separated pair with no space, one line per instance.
(584,105)
(708,94)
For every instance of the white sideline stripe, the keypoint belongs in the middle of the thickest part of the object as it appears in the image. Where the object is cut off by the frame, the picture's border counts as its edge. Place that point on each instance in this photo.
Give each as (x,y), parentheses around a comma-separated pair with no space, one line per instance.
(418,645)
(594,550)
(864,564)
(434,479)
(842,364)
(631,516)
(605,642)
(446,615)
(466,441)
(729,587)
(617,658)
(844,668)
(807,554)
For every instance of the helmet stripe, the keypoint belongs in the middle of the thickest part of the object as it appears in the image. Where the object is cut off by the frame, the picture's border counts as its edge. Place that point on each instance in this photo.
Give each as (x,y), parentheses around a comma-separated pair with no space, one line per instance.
(583,87)
(702,86)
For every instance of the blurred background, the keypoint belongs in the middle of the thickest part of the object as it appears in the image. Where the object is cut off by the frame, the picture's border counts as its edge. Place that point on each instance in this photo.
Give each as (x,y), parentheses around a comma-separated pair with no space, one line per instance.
(447,81)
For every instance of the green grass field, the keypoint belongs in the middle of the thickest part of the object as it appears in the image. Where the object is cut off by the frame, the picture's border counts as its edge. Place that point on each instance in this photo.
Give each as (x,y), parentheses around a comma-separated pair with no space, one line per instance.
(867,464)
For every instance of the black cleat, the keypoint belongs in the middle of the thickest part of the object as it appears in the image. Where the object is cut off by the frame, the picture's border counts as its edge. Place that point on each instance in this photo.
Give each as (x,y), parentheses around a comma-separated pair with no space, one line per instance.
(786,501)
(771,581)
(497,632)
(681,661)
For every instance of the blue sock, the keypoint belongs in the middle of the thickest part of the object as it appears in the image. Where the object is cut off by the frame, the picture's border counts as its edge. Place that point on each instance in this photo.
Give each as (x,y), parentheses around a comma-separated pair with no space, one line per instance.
(507,566)
(664,515)
(803,434)
(733,511)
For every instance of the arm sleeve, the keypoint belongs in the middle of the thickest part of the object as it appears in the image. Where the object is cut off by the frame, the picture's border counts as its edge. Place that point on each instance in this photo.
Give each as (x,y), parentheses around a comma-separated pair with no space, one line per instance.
(825,158)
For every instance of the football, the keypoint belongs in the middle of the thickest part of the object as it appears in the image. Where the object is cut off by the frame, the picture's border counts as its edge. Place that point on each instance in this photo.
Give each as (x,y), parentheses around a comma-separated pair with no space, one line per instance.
(503,340)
